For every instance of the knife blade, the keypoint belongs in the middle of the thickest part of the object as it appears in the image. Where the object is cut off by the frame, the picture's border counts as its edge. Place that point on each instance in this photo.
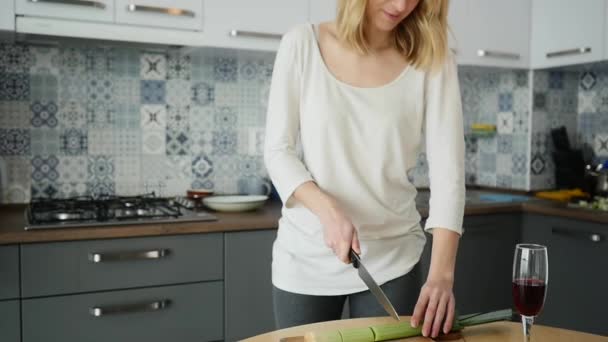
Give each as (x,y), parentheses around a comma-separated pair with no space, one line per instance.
(372,285)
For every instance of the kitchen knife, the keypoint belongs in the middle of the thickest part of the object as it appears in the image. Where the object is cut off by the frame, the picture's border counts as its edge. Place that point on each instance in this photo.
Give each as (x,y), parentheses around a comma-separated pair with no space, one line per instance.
(372,285)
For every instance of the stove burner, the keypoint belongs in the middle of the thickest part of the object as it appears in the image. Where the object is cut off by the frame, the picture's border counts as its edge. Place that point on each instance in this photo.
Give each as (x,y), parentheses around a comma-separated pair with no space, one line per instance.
(65,216)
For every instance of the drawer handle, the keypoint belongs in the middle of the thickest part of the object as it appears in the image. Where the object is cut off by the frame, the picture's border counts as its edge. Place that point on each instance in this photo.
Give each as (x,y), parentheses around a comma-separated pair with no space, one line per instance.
(589,236)
(86,3)
(561,53)
(253,34)
(129,308)
(498,54)
(129,256)
(177,12)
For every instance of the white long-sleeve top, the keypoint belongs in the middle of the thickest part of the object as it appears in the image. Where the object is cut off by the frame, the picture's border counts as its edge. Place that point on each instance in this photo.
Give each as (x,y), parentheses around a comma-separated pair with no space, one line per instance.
(358,145)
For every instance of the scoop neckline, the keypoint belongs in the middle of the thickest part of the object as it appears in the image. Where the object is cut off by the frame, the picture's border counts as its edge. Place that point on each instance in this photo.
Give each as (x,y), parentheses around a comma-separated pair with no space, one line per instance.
(328,72)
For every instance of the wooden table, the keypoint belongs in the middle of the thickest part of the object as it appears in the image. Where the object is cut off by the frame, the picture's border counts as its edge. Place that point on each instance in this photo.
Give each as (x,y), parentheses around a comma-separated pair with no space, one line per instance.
(499,331)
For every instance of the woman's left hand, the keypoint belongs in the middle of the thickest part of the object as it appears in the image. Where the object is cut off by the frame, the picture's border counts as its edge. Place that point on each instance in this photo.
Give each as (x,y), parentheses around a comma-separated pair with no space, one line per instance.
(435,306)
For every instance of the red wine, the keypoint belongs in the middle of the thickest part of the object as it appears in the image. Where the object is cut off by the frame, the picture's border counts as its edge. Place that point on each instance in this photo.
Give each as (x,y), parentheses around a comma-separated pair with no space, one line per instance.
(528,295)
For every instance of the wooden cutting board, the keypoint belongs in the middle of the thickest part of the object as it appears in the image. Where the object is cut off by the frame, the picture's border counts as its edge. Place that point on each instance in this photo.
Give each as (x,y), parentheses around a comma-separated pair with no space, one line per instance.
(495,332)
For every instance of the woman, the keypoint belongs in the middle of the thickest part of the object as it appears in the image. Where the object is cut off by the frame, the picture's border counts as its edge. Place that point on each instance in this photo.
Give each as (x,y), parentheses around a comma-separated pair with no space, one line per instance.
(357,95)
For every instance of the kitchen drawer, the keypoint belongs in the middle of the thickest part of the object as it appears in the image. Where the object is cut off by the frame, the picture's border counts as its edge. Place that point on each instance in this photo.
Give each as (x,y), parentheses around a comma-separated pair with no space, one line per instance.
(9,272)
(172,14)
(171,313)
(84,266)
(81,10)
(10,329)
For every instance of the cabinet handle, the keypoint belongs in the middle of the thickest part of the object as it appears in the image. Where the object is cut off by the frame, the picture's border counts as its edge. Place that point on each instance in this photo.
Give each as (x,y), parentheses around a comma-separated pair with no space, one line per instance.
(498,54)
(569,52)
(129,256)
(253,34)
(178,12)
(589,236)
(129,308)
(86,3)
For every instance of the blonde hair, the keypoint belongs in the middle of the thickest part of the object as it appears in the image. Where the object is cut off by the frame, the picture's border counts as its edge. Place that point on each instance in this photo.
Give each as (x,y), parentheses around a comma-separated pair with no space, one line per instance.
(421,37)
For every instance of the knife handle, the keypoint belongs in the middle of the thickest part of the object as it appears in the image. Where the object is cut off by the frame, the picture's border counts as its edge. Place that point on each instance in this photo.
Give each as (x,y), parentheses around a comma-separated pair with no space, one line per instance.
(354,258)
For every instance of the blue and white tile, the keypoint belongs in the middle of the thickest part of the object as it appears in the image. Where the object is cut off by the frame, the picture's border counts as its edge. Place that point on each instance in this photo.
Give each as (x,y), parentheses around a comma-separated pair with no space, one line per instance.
(227,94)
(538,164)
(251,141)
(45,141)
(44,87)
(152,168)
(177,142)
(177,93)
(519,182)
(588,81)
(127,142)
(72,169)
(519,164)
(153,117)
(603,100)
(15,58)
(153,66)
(126,63)
(44,189)
(202,118)
(176,187)
(101,90)
(505,123)
(487,145)
(504,181)
(224,142)
(100,169)
(541,80)
(202,167)
(487,179)
(100,189)
(127,115)
(521,122)
(556,80)
(44,114)
(127,170)
(126,90)
(201,142)
(600,145)
(44,168)
(129,189)
(178,167)
(153,91)
(225,118)
(71,190)
(504,164)
(101,141)
(71,61)
(14,142)
(17,173)
(264,93)
(98,60)
(504,144)
(72,88)
(178,117)
(74,142)
(225,69)
(251,165)
(15,114)
(72,114)
(505,101)
(100,115)
(487,162)
(179,66)
(14,87)
(153,142)
(203,93)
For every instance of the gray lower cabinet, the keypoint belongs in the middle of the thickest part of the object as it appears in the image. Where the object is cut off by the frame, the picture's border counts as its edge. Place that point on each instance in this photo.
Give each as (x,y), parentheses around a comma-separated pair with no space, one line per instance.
(10,321)
(9,272)
(484,262)
(578,259)
(182,313)
(86,266)
(248,284)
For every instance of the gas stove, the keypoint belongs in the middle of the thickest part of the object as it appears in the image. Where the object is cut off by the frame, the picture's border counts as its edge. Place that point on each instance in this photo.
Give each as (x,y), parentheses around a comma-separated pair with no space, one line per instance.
(109,211)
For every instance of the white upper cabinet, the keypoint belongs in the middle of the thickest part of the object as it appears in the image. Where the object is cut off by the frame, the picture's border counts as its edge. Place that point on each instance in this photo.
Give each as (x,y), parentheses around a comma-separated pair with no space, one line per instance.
(249,24)
(495,33)
(457,22)
(173,14)
(84,10)
(566,32)
(322,10)
(7,17)
(606,31)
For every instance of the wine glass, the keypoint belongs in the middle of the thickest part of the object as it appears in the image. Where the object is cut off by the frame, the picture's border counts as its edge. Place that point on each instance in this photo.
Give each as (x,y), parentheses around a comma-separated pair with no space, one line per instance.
(530,279)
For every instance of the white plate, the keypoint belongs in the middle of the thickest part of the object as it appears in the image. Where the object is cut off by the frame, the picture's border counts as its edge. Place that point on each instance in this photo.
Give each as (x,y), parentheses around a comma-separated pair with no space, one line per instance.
(234,203)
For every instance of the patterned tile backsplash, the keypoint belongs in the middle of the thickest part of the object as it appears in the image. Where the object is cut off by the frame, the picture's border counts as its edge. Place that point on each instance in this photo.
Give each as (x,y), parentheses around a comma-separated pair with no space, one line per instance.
(78,120)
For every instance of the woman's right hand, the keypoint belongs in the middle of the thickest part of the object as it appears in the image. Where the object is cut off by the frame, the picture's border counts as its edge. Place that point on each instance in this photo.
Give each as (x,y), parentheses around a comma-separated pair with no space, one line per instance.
(339,233)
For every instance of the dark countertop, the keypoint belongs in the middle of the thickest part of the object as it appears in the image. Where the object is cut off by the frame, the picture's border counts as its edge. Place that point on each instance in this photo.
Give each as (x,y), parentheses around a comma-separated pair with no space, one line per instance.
(12,220)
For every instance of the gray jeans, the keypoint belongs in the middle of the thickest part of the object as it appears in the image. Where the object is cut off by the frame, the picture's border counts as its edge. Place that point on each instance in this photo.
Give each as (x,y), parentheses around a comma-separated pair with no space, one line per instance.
(291,309)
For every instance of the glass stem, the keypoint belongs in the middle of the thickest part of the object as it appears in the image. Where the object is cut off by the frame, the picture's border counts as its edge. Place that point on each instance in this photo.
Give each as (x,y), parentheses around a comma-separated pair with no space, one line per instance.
(527,324)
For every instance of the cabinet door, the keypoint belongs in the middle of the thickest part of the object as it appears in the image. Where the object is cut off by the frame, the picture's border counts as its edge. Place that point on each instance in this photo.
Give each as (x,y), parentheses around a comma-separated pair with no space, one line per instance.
(484,262)
(250,24)
(322,10)
(576,291)
(458,16)
(9,272)
(10,321)
(606,31)
(566,32)
(185,313)
(173,14)
(84,10)
(498,33)
(7,16)
(248,284)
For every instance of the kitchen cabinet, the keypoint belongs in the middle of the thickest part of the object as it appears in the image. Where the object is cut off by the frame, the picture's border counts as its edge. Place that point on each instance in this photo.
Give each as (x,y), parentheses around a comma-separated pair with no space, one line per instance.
(484,262)
(248,284)
(172,14)
(249,24)
(185,313)
(322,10)
(9,272)
(606,31)
(567,32)
(10,321)
(96,265)
(576,293)
(457,21)
(497,33)
(84,10)
(7,16)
